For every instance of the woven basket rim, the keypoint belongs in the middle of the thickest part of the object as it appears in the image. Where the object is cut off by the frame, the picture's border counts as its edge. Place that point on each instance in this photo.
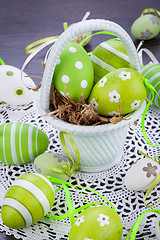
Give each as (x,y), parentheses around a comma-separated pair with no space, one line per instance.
(79,129)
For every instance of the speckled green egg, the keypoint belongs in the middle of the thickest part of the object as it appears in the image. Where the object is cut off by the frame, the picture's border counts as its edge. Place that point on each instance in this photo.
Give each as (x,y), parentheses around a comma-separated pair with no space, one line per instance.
(74,70)
(108,56)
(44,164)
(97,223)
(27,201)
(146,27)
(152,73)
(123,85)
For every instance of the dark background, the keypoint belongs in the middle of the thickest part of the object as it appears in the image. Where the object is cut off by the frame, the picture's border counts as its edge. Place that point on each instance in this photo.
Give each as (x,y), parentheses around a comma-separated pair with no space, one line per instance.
(25,21)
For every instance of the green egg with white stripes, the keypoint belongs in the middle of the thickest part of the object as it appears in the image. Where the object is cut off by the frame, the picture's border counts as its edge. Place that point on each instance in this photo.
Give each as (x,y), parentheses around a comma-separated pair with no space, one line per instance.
(151,71)
(108,56)
(21,143)
(27,201)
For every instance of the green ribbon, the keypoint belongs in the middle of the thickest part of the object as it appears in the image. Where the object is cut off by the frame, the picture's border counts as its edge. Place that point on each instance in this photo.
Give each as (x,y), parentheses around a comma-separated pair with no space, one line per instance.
(102,32)
(2,62)
(69,171)
(149,85)
(154,182)
(33,46)
(132,233)
(152,11)
(64,145)
(152,186)
(71,212)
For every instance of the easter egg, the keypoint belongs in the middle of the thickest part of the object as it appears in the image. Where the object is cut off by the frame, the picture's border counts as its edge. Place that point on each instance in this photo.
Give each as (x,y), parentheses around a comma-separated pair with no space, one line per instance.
(12,90)
(75,71)
(21,142)
(27,201)
(157,228)
(108,56)
(98,223)
(152,73)
(123,85)
(141,174)
(146,27)
(45,162)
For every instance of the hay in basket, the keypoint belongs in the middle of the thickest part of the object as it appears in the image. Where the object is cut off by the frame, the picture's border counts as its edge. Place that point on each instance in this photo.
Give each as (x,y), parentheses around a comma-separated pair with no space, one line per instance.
(100,146)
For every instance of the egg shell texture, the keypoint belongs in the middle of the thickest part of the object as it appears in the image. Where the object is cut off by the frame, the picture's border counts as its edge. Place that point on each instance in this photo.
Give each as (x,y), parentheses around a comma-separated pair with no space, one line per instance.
(108,56)
(43,161)
(27,200)
(12,89)
(74,70)
(21,142)
(98,223)
(152,73)
(141,174)
(121,85)
(146,27)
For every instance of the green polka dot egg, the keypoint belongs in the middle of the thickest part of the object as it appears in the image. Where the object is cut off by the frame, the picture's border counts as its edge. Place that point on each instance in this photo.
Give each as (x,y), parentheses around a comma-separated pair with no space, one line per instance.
(108,56)
(12,90)
(123,85)
(75,71)
(97,223)
(21,142)
(46,163)
(152,73)
(27,201)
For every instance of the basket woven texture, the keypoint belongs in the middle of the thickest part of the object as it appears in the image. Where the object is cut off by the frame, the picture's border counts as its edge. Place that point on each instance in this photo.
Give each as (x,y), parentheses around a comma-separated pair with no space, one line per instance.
(100,146)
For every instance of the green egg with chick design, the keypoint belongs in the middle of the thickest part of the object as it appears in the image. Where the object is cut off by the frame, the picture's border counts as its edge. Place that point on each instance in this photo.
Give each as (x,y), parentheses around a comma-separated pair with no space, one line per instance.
(74,71)
(123,85)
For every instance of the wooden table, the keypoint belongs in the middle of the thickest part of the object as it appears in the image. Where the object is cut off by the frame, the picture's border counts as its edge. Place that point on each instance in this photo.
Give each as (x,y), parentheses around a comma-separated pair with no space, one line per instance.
(23,22)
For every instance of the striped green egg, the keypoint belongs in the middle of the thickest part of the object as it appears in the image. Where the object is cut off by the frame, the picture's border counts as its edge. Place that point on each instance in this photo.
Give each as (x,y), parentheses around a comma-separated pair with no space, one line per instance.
(21,143)
(27,201)
(152,73)
(108,56)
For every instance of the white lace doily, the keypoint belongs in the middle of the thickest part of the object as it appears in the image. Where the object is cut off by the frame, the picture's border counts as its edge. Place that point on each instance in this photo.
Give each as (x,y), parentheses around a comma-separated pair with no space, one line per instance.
(110,183)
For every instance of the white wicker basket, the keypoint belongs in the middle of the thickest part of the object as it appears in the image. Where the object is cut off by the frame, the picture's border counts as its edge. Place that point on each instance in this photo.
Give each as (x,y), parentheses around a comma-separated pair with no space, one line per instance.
(100,146)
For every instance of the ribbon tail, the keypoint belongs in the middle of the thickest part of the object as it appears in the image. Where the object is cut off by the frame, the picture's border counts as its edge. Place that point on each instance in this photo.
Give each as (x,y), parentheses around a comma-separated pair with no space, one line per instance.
(152,186)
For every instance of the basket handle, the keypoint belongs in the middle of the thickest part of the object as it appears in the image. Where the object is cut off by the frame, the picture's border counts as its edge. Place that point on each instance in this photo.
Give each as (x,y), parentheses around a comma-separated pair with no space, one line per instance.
(72,32)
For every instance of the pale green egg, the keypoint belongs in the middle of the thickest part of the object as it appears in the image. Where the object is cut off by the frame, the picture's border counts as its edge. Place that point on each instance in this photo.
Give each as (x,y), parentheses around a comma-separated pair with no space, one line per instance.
(146,27)
(47,163)
(74,71)
(125,86)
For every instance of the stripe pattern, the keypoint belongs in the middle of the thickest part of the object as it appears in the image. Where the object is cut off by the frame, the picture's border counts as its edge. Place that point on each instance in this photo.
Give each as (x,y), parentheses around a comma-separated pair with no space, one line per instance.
(152,73)
(106,58)
(21,143)
(27,186)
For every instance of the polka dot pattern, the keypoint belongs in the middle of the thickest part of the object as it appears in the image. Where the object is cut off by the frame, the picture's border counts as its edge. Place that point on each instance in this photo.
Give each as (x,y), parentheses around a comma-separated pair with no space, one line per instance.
(65,78)
(84,84)
(74,70)
(78,65)
(72,49)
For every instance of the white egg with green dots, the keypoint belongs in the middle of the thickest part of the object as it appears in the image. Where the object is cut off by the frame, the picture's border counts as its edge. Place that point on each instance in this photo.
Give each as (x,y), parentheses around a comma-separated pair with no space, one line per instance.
(108,56)
(152,73)
(125,86)
(74,71)
(12,90)
(21,143)
(27,201)
(97,223)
